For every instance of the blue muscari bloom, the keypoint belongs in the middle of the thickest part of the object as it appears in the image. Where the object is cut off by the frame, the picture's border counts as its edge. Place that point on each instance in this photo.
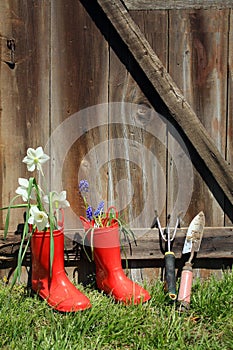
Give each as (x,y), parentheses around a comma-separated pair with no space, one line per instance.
(99,209)
(83,186)
(89,213)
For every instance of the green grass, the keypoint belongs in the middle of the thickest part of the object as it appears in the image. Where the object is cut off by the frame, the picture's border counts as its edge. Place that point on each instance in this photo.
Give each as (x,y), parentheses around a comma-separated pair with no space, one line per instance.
(27,323)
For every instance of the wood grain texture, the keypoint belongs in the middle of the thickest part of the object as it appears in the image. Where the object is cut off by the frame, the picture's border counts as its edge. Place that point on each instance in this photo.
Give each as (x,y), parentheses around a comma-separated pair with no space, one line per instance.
(198,64)
(229,146)
(142,165)
(24,90)
(171,95)
(154,25)
(229,122)
(176,4)
(79,76)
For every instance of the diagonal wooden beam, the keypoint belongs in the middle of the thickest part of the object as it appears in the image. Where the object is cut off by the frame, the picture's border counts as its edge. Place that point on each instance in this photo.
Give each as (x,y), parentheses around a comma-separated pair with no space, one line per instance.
(179,109)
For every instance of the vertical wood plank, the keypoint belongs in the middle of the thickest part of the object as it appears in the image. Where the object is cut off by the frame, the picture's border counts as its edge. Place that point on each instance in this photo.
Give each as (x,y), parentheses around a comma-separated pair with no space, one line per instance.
(229,144)
(229,148)
(198,64)
(137,171)
(24,90)
(79,80)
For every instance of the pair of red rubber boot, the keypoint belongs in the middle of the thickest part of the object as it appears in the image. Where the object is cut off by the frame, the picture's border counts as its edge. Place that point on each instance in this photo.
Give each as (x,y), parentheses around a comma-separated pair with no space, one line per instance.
(57,289)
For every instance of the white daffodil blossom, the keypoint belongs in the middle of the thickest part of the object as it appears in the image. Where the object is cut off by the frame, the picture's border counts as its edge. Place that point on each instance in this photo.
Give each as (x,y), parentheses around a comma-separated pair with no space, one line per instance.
(38,218)
(58,200)
(22,190)
(34,158)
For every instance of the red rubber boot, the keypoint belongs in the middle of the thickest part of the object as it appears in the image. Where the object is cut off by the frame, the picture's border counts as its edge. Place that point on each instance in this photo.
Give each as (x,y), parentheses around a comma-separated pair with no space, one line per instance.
(110,276)
(57,290)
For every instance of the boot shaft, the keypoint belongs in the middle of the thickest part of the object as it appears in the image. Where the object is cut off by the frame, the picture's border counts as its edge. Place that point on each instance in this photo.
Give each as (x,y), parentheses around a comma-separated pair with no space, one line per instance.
(102,237)
(40,251)
(106,244)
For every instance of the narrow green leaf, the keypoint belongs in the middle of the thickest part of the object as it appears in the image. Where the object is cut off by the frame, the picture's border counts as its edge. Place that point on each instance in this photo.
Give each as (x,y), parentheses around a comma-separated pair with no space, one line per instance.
(8,213)
(84,239)
(92,243)
(16,206)
(15,277)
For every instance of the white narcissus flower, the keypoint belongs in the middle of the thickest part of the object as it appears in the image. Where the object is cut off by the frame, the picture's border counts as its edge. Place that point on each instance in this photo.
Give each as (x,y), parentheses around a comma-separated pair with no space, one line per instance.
(34,158)
(38,218)
(22,190)
(58,200)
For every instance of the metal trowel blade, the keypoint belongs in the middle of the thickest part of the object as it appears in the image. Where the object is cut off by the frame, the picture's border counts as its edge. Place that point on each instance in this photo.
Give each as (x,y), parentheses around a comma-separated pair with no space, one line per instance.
(194,234)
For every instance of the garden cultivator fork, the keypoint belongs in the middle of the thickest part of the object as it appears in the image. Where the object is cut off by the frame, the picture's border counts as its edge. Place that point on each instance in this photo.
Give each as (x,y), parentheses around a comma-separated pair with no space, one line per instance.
(168,237)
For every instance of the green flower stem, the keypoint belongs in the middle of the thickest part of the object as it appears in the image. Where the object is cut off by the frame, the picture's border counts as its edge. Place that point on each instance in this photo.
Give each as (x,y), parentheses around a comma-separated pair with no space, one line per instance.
(17,272)
(51,224)
(22,252)
(91,229)
(85,202)
(98,221)
(38,196)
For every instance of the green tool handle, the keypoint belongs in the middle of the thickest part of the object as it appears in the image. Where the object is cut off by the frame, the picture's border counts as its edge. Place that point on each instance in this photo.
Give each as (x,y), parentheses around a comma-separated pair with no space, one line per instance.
(170,277)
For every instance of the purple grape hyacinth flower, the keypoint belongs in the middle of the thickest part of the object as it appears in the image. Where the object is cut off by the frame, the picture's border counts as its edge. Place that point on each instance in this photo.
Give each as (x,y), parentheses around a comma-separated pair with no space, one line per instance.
(89,213)
(99,209)
(83,186)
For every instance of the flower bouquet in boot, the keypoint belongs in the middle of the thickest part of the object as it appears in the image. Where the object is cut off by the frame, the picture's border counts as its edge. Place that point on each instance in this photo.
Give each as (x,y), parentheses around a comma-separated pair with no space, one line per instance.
(102,231)
(44,229)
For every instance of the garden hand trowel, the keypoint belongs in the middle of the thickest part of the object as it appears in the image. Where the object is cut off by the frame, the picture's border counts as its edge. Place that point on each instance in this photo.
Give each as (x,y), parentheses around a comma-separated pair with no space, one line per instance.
(191,245)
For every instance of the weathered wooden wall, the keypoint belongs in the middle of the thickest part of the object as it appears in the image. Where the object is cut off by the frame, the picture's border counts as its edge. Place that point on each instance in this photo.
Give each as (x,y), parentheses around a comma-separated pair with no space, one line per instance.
(64,64)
